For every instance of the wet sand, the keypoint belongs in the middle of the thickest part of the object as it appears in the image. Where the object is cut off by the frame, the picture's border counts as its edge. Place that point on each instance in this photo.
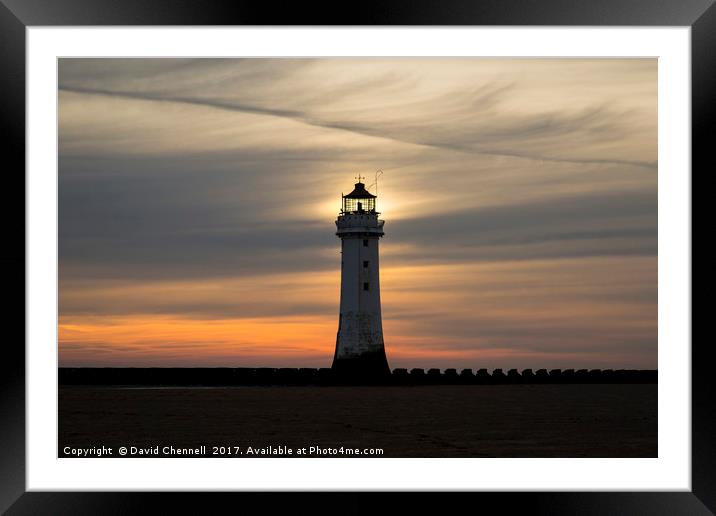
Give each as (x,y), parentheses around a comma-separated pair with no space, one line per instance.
(414,421)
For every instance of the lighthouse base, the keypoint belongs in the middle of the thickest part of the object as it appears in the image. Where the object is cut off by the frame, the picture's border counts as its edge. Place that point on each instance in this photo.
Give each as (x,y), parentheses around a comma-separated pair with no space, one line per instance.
(368,367)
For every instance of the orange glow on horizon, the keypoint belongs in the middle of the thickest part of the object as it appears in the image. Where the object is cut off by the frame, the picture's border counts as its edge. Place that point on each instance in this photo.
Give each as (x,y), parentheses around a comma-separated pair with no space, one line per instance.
(447,319)
(190,341)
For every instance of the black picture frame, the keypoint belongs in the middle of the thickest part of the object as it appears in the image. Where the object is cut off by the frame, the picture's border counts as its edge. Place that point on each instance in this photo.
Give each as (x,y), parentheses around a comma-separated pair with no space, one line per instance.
(17,15)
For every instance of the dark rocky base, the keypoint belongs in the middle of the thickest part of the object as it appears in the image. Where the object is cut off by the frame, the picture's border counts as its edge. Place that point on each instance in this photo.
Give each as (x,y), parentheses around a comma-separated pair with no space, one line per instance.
(369,368)
(352,374)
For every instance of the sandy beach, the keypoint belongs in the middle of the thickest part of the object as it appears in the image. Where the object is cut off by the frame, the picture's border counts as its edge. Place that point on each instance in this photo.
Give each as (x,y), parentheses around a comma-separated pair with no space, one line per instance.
(418,421)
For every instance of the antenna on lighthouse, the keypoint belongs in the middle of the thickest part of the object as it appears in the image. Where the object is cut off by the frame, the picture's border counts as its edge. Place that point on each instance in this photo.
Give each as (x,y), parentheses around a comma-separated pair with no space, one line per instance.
(378,173)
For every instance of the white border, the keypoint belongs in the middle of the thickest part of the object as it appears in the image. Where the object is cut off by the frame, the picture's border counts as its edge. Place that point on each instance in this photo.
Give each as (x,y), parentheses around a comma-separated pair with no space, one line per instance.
(670,471)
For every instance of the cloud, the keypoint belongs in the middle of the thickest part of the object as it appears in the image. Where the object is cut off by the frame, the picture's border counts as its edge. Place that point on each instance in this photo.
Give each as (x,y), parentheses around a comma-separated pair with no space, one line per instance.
(144,219)
(548,125)
(466,120)
(598,224)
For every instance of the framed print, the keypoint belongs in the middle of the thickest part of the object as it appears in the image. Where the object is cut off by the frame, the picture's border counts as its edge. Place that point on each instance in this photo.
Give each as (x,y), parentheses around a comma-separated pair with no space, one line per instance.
(422,249)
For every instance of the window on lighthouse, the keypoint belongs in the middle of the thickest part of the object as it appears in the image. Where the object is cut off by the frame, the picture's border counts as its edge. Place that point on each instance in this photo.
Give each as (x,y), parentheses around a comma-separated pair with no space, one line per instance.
(358,205)
(365,243)
(365,286)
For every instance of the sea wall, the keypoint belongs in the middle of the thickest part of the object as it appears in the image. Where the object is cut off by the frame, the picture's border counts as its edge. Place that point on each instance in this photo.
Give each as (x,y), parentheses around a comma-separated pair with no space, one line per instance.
(221,376)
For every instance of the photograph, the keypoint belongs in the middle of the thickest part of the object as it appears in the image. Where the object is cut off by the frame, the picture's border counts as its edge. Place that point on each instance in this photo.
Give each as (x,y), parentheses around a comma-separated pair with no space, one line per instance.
(357,257)
(453,239)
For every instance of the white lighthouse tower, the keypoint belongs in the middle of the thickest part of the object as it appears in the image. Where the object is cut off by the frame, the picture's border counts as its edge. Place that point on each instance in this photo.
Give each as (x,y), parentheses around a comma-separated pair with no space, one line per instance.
(360,351)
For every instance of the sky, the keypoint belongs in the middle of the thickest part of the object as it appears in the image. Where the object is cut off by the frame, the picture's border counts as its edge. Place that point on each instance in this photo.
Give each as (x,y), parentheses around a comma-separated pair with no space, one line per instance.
(197,200)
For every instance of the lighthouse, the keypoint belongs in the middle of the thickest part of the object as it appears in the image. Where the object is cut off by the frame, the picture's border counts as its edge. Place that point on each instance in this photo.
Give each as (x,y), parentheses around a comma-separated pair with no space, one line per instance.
(360,352)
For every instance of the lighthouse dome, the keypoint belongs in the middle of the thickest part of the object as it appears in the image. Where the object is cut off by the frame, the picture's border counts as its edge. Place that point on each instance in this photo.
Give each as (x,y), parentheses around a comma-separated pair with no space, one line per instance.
(359,192)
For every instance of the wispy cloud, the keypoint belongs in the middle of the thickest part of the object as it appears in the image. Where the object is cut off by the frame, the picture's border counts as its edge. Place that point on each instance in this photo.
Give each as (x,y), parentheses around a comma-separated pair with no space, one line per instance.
(518,131)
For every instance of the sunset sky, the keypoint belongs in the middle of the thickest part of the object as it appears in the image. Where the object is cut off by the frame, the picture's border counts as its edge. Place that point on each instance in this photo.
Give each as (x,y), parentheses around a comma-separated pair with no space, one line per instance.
(197,200)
